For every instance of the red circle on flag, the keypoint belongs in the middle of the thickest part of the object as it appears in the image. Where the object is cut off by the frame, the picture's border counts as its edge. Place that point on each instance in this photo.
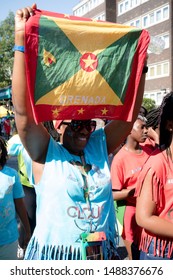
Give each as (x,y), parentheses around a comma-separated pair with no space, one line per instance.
(88,62)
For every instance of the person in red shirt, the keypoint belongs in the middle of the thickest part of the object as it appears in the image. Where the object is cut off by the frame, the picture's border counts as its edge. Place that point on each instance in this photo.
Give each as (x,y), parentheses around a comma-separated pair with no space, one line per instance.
(154,193)
(125,169)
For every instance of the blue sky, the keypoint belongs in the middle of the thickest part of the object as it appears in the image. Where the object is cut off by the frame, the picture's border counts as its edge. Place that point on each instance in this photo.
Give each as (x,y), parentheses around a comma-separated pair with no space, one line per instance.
(61,6)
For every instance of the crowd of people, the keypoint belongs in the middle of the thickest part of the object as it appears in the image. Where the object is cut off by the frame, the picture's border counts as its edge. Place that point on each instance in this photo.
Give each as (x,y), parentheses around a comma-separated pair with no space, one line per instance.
(7,126)
(70,182)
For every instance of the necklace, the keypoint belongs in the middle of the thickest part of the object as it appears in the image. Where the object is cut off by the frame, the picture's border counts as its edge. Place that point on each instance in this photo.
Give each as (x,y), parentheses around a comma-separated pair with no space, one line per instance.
(84,168)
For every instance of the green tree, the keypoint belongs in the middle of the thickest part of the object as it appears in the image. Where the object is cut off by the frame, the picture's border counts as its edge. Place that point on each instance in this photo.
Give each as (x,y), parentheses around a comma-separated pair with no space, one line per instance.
(149,103)
(6,52)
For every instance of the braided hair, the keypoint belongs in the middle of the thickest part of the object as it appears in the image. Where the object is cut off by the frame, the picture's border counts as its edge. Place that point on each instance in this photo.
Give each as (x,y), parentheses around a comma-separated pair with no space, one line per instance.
(3,152)
(153,118)
(166,113)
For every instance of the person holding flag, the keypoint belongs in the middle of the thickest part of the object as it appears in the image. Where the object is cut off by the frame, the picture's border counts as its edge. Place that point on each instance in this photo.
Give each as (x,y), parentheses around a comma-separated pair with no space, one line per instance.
(75,210)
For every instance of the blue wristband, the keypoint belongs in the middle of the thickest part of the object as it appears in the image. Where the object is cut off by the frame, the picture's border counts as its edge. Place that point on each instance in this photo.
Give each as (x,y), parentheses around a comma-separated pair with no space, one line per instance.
(19,48)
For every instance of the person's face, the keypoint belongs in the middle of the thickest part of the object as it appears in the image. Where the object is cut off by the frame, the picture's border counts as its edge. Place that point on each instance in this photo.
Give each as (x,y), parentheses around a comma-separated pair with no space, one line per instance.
(142,112)
(75,134)
(139,131)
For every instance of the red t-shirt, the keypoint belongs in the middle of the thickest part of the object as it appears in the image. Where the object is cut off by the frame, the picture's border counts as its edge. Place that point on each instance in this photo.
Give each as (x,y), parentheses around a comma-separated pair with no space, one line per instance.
(162,169)
(125,169)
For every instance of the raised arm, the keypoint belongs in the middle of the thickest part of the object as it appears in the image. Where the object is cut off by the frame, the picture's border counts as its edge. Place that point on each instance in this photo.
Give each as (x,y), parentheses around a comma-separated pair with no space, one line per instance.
(35,138)
(117,131)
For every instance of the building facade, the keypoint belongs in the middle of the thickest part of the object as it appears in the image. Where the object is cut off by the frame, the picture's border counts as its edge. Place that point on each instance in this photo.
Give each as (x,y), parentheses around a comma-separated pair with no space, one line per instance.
(157,18)
(96,9)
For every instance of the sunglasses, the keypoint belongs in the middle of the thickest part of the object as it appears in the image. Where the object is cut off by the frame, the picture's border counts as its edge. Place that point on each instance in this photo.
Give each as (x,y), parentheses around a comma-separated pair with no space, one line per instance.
(77,126)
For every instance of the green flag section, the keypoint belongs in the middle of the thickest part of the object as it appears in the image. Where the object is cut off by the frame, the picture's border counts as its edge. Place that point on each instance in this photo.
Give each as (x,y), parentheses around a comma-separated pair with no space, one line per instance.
(5,93)
(79,68)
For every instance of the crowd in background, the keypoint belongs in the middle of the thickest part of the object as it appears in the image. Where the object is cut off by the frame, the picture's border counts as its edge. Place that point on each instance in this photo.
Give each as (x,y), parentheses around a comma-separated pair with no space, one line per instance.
(7,126)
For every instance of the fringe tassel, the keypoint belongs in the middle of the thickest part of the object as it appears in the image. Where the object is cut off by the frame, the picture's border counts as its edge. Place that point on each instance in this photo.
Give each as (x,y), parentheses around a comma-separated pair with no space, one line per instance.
(160,248)
(48,252)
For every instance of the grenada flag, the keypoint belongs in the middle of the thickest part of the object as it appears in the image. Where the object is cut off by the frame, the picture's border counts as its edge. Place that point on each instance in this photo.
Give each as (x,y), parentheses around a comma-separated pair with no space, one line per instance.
(79,68)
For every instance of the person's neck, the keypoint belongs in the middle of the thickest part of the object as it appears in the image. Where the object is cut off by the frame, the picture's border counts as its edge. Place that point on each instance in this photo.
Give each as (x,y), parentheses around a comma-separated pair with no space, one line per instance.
(133,147)
(73,152)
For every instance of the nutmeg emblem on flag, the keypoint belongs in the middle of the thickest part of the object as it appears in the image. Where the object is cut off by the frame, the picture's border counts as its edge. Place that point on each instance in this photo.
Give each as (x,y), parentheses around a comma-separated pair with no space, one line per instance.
(79,68)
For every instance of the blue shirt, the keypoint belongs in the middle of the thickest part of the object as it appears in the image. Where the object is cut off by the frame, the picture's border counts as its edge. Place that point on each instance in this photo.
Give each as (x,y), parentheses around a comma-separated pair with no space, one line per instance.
(10,189)
(62,210)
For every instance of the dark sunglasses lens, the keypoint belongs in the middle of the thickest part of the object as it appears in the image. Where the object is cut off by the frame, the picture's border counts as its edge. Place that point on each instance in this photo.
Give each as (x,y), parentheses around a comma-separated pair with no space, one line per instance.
(90,127)
(76,126)
(79,125)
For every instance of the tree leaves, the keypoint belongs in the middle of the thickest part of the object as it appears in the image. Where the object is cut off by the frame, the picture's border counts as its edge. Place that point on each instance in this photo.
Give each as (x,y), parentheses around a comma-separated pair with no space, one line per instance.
(6,52)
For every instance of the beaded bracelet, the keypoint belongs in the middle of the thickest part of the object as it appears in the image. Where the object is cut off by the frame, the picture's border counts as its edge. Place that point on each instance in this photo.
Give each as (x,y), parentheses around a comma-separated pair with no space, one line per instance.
(19,48)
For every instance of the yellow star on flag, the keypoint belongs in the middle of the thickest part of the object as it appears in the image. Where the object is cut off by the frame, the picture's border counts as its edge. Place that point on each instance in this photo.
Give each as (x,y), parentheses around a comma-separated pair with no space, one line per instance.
(55,112)
(89,62)
(104,111)
(81,111)
(66,16)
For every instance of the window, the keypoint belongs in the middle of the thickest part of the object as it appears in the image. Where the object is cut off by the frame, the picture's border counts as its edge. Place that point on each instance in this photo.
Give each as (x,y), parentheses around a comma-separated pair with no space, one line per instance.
(165,69)
(100,17)
(165,13)
(158,16)
(151,71)
(138,23)
(158,70)
(121,8)
(132,3)
(166,40)
(126,6)
(86,6)
(151,18)
(145,21)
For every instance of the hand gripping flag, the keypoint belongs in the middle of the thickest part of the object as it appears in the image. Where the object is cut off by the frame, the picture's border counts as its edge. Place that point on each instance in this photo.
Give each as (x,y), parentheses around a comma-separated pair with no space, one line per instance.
(79,68)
